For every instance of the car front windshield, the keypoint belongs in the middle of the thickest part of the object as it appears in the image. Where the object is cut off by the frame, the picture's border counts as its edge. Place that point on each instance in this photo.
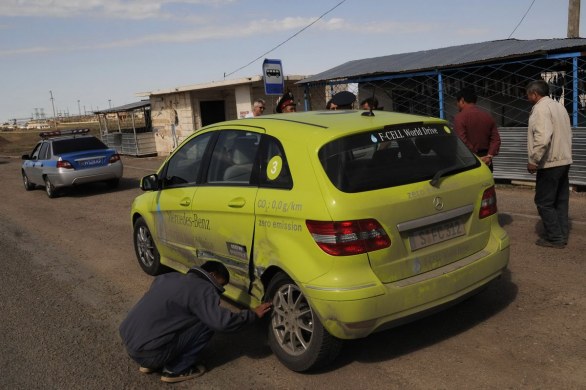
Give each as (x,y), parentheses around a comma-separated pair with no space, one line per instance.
(393,156)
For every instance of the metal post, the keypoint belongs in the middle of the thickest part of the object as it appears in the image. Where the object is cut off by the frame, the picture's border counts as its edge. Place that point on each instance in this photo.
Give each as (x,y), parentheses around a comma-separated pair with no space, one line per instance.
(440,92)
(575,96)
(53,104)
(78,107)
(135,137)
(306,97)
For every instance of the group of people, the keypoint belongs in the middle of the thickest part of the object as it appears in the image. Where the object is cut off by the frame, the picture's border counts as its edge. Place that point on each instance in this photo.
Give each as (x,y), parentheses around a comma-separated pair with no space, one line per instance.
(285,105)
(549,148)
(170,325)
(343,100)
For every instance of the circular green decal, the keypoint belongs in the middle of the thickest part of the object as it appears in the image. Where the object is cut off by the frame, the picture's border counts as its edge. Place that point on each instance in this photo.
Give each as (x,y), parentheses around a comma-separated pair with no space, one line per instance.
(447,129)
(274,167)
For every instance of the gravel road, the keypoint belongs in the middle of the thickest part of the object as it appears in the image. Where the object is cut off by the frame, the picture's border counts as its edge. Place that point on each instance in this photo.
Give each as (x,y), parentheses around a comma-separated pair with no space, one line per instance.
(69,275)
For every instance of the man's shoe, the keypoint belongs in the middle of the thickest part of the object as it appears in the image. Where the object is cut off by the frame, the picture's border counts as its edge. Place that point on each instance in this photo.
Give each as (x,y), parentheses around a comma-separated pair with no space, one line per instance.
(171,377)
(146,370)
(550,244)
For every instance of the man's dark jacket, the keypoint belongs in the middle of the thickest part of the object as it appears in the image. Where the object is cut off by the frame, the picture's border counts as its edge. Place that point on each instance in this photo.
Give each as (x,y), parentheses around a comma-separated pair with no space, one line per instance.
(174,303)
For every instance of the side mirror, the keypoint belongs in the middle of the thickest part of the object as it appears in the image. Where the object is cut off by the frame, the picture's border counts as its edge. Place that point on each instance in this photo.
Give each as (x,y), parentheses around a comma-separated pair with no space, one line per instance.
(150,183)
(26,157)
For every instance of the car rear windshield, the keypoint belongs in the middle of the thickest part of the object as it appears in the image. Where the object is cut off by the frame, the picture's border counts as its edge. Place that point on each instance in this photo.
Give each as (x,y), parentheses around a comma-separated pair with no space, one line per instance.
(395,155)
(77,145)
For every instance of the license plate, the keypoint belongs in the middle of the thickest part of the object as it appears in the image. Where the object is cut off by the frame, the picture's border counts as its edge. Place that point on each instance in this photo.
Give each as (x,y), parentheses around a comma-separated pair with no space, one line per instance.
(90,163)
(434,234)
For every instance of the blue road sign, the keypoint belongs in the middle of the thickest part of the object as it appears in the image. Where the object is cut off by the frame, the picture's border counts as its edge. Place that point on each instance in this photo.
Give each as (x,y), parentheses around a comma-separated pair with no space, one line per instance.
(273,77)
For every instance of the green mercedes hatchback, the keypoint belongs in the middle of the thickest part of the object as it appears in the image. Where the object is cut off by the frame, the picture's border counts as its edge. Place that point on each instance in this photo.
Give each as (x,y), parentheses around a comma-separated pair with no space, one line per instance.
(348,223)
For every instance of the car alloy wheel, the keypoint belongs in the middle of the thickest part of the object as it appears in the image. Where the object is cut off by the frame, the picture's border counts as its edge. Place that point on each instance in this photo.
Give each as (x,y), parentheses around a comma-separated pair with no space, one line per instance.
(50,188)
(296,334)
(146,250)
(292,320)
(27,184)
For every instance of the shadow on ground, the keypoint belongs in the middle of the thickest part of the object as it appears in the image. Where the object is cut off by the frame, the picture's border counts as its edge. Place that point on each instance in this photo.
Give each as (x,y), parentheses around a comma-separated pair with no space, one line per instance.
(390,344)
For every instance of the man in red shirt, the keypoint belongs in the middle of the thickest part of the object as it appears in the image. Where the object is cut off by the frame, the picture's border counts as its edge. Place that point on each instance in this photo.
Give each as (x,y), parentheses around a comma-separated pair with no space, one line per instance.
(476,127)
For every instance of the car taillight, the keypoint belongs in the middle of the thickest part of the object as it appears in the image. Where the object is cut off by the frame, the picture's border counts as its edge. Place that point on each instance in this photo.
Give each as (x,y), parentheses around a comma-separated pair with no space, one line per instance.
(488,204)
(348,237)
(64,164)
(115,157)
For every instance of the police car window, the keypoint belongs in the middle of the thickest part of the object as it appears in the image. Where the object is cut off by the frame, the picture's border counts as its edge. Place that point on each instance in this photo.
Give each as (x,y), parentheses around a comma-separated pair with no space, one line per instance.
(77,144)
(184,166)
(393,156)
(274,170)
(233,158)
(44,152)
(36,150)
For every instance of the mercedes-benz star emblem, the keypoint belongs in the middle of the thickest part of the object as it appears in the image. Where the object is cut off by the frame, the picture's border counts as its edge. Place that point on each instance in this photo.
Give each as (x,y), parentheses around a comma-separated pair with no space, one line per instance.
(438,203)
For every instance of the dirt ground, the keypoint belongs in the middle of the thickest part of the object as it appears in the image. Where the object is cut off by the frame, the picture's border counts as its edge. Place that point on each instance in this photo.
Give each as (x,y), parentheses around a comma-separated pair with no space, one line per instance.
(69,275)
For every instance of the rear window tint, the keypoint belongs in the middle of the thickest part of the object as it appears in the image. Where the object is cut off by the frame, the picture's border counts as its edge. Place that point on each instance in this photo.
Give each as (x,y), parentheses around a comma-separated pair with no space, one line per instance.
(393,156)
(77,145)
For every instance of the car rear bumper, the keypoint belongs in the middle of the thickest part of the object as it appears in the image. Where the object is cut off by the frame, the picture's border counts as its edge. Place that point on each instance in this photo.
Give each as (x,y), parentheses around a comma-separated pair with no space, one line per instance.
(69,177)
(411,298)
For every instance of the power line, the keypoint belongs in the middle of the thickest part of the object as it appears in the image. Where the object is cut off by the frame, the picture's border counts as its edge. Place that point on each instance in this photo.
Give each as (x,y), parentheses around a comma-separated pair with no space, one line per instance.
(521,21)
(287,40)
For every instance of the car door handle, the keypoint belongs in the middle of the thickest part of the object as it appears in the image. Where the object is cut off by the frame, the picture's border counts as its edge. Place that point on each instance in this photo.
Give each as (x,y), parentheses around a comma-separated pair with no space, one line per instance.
(185,202)
(237,203)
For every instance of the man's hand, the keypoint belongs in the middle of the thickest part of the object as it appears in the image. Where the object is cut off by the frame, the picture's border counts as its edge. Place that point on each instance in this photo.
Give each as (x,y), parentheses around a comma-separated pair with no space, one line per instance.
(531,168)
(486,159)
(262,309)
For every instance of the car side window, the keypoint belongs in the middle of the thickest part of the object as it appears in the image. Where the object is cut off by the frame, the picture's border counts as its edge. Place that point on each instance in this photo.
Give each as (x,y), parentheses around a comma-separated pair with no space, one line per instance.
(234,156)
(44,152)
(184,166)
(274,169)
(36,151)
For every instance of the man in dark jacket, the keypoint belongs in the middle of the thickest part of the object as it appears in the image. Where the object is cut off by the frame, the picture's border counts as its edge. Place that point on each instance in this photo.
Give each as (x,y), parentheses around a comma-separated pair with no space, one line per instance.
(176,318)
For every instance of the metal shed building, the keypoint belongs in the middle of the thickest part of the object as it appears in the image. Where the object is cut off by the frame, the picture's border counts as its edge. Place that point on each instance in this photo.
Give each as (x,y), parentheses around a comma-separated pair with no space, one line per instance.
(426,82)
(128,128)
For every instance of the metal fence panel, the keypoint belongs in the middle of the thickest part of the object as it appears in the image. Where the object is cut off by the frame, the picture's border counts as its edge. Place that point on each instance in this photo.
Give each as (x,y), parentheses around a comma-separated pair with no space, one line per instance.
(501,91)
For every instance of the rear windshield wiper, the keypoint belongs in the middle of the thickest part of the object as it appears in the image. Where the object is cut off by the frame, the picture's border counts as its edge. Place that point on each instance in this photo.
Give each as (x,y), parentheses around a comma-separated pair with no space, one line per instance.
(439,174)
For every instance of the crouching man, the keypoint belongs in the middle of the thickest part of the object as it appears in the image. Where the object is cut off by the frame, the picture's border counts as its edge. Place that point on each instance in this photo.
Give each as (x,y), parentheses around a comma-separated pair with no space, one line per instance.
(172,323)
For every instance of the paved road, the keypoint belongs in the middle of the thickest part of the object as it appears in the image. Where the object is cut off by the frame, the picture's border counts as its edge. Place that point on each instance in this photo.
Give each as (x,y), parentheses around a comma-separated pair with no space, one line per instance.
(69,275)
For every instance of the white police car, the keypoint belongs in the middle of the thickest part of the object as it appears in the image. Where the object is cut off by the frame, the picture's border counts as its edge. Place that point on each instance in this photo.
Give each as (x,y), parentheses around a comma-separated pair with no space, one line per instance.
(67,158)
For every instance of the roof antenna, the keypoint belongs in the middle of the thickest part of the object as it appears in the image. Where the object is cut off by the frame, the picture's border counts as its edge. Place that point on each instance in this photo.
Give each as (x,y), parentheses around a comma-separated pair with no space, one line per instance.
(370,113)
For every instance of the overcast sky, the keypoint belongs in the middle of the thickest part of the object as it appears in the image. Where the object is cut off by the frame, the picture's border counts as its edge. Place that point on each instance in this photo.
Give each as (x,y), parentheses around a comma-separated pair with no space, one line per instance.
(105,52)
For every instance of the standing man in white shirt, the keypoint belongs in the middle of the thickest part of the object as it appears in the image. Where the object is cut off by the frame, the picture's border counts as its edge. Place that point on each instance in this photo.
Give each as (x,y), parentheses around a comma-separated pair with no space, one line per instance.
(549,146)
(257,108)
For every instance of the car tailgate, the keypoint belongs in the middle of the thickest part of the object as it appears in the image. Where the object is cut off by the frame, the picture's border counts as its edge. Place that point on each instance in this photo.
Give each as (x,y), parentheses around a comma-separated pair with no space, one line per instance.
(429,227)
(89,158)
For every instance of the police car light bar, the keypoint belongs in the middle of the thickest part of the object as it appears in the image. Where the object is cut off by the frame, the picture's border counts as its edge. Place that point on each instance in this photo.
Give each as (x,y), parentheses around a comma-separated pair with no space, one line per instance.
(56,133)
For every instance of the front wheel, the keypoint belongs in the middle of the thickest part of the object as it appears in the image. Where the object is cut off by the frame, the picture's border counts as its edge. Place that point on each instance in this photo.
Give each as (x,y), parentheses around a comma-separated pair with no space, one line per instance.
(27,183)
(296,335)
(146,250)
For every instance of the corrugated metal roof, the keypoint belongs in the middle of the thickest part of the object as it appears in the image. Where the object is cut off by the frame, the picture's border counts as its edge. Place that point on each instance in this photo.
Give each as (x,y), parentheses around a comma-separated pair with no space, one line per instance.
(448,57)
(126,107)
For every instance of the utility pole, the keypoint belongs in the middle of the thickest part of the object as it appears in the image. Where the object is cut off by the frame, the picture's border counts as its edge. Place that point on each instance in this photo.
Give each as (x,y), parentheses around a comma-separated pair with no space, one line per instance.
(78,107)
(53,104)
(573,18)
